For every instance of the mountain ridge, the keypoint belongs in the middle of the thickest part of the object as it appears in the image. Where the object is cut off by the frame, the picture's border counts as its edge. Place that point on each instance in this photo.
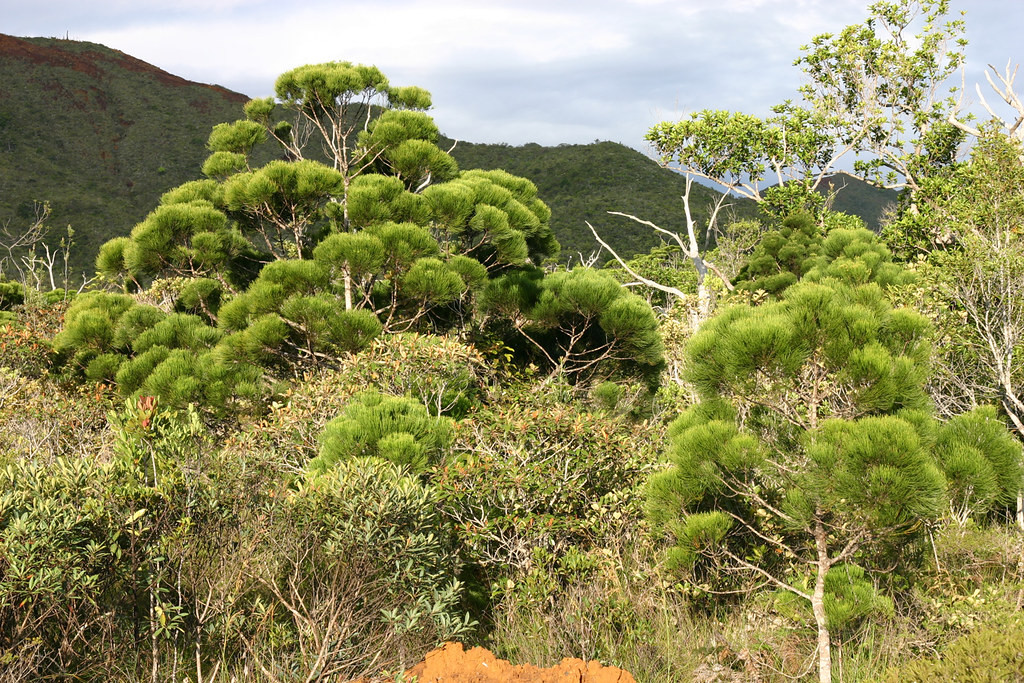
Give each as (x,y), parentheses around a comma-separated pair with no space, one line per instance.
(101,135)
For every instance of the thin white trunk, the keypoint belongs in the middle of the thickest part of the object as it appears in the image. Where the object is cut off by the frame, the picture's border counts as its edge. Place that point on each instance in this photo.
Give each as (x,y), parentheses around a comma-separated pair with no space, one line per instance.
(818,605)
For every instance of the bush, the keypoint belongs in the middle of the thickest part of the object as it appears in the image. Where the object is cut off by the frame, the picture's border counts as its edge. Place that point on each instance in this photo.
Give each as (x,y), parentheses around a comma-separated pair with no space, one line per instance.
(536,473)
(399,430)
(989,655)
(359,574)
(66,564)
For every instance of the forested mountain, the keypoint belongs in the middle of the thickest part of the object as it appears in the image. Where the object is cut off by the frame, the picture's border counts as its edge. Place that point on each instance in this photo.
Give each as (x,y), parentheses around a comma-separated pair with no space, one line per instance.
(101,135)
(98,134)
(583,182)
(854,196)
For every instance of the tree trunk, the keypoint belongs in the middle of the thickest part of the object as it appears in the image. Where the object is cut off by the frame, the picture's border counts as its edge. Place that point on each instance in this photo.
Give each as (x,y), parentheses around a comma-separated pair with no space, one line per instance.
(1010,406)
(818,605)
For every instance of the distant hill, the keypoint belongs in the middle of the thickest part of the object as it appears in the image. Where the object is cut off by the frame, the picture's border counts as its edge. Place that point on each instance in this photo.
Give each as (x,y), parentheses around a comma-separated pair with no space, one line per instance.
(101,135)
(97,133)
(583,182)
(856,197)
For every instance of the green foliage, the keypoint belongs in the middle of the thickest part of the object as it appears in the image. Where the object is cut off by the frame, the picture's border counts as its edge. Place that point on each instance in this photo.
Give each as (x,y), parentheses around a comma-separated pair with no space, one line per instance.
(819,352)
(982,463)
(850,598)
(183,239)
(736,151)
(399,430)
(856,256)
(534,473)
(11,295)
(974,276)
(383,530)
(989,655)
(494,217)
(64,564)
(582,322)
(283,204)
(878,84)
(847,254)
(810,447)
(782,256)
(109,338)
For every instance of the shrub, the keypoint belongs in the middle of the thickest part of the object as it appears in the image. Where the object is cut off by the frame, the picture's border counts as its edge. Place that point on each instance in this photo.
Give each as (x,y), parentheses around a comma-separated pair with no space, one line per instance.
(65,568)
(989,655)
(360,574)
(535,473)
(399,430)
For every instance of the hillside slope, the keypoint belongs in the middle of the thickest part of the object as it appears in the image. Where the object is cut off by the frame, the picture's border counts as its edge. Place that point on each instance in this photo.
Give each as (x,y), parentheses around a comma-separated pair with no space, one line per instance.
(101,135)
(584,182)
(98,134)
(856,197)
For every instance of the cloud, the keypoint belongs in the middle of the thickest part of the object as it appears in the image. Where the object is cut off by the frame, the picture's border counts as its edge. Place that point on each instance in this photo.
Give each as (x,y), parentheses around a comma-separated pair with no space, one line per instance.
(529,70)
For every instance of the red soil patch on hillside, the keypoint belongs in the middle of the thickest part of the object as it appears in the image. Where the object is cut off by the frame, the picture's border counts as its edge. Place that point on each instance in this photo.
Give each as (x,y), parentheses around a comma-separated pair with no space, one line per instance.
(92,63)
(451,664)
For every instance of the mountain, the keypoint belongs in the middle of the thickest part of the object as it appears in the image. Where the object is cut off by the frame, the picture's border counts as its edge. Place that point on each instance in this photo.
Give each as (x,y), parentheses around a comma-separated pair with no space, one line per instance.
(97,133)
(584,182)
(100,135)
(856,197)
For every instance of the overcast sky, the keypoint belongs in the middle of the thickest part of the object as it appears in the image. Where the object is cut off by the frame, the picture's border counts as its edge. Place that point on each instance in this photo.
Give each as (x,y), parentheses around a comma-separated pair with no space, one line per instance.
(546,71)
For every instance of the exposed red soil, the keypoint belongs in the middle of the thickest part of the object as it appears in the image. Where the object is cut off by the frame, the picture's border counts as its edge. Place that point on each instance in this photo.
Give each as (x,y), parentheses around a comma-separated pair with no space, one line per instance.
(92,62)
(451,664)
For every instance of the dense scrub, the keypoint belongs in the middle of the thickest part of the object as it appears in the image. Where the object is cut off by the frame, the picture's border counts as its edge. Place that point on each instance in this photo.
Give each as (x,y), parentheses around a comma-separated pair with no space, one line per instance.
(315,418)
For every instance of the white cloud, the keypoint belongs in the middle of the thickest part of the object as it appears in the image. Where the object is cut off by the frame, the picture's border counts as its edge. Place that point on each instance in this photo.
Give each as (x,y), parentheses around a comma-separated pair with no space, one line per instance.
(502,70)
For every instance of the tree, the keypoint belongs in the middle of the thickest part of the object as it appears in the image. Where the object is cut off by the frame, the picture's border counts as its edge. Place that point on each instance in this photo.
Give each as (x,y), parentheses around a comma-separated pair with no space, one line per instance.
(689,248)
(800,250)
(881,89)
(808,449)
(976,282)
(875,90)
(582,323)
(736,151)
(365,227)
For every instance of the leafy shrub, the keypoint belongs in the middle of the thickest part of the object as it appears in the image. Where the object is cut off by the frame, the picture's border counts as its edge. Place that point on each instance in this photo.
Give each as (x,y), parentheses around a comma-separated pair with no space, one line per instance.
(26,338)
(360,574)
(399,430)
(535,473)
(989,655)
(41,419)
(65,563)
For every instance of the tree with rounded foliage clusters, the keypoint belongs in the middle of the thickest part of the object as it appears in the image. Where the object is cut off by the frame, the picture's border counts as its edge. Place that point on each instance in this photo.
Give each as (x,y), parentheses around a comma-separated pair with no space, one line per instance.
(142,350)
(364,227)
(808,449)
(582,323)
(799,250)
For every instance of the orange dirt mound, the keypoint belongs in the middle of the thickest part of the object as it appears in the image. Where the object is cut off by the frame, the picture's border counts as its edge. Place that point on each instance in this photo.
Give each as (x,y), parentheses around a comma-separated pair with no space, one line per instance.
(451,664)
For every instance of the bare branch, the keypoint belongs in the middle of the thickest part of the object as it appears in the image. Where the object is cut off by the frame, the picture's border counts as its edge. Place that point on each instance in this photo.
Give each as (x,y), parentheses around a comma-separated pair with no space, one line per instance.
(640,278)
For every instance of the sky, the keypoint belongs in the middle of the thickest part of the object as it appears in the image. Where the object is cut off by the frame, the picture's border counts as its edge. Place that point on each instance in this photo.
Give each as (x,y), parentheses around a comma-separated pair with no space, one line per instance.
(512,71)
